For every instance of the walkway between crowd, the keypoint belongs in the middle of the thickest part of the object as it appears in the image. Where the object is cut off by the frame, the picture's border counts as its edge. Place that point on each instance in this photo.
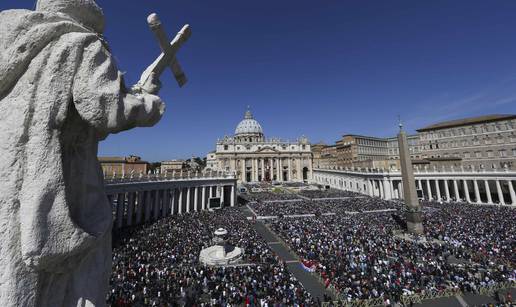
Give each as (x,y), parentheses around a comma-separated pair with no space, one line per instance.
(309,281)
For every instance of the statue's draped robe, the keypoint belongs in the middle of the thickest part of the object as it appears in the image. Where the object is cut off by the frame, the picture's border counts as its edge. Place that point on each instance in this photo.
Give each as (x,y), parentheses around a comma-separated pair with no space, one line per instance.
(60,93)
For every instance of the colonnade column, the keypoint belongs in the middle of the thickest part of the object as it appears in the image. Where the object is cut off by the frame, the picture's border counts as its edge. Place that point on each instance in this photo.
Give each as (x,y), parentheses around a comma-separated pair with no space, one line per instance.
(289,170)
(196,198)
(437,190)
(139,210)
(299,171)
(446,190)
(488,192)
(203,198)
(253,170)
(278,169)
(166,203)
(429,189)
(477,191)
(391,185)
(262,160)
(500,194)
(511,192)
(188,199)
(222,194)
(156,204)
(180,201)
(147,204)
(370,188)
(172,201)
(466,190)
(456,190)
(386,189)
(168,199)
(232,195)
(380,189)
(120,210)
(244,170)
(130,202)
(310,171)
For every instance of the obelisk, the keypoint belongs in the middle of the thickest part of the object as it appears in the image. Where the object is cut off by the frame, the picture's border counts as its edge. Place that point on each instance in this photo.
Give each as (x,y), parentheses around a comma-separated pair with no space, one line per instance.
(412,205)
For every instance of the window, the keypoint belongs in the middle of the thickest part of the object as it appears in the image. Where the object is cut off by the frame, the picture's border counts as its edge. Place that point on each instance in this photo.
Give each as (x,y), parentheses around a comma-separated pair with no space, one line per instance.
(502,153)
(514,152)
(225,147)
(467,155)
(478,154)
(490,154)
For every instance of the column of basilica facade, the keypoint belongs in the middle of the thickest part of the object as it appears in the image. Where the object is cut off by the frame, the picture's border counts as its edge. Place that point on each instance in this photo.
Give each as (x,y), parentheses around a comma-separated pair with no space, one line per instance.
(255,159)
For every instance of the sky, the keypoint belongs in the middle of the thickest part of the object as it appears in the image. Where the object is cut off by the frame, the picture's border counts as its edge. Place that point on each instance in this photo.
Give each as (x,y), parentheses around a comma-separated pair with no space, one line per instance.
(315,68)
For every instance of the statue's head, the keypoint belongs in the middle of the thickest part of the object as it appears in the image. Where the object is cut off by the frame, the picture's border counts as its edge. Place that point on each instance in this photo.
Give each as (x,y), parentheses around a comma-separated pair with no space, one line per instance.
(86,12)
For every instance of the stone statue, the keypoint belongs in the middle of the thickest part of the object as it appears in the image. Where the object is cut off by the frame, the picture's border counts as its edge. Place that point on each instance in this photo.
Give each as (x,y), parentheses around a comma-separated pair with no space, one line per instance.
(60,94)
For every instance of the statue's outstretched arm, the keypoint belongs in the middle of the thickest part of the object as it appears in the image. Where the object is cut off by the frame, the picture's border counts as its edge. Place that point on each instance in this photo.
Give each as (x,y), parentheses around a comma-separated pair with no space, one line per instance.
(102,99)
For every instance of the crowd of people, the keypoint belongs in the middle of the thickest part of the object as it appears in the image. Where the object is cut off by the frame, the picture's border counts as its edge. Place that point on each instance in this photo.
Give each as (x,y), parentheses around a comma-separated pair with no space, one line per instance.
(158,265)
(489,230)
(352,242)
(330,193)
(361,256)
(322,206)
(269,196)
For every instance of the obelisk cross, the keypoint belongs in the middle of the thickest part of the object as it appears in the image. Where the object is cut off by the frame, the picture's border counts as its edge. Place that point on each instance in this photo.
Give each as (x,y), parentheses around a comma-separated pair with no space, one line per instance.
(169,50)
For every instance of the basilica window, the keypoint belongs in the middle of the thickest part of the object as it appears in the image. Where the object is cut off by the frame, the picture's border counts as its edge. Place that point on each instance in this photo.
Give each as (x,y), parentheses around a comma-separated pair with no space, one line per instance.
(225,147)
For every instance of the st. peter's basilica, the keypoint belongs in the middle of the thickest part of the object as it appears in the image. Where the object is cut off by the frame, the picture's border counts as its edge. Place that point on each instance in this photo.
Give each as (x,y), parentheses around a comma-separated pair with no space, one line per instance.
(254,158)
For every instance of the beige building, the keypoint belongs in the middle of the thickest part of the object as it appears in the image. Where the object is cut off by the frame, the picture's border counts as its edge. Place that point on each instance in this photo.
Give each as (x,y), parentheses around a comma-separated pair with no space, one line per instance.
(172,166)
(253,158)
(363,152)
(324,155)
(484,142)
(123,166)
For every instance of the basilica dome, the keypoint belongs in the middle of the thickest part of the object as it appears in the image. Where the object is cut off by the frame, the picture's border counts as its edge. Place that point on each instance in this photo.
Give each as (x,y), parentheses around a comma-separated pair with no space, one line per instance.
(249,130)
(248,125)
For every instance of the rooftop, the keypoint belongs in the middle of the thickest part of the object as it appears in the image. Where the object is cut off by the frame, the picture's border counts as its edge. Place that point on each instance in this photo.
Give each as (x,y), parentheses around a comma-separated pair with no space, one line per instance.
(468,121)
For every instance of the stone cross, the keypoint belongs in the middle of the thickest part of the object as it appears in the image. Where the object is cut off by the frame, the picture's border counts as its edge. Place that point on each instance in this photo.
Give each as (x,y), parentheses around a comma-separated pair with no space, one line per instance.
(169,50)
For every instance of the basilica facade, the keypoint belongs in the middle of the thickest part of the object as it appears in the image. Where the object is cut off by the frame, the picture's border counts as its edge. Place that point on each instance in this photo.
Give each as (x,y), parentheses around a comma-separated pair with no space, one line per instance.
(253,158)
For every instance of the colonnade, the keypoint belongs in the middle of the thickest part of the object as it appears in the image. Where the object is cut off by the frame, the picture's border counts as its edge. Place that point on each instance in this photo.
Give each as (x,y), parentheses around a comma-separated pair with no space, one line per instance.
(138,203)
(495,188)
(480,191)
(273,168)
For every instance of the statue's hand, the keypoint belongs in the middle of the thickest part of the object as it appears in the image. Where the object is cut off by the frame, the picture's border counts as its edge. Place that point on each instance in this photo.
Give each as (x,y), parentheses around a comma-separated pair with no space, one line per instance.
(151,85)
(153,110)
